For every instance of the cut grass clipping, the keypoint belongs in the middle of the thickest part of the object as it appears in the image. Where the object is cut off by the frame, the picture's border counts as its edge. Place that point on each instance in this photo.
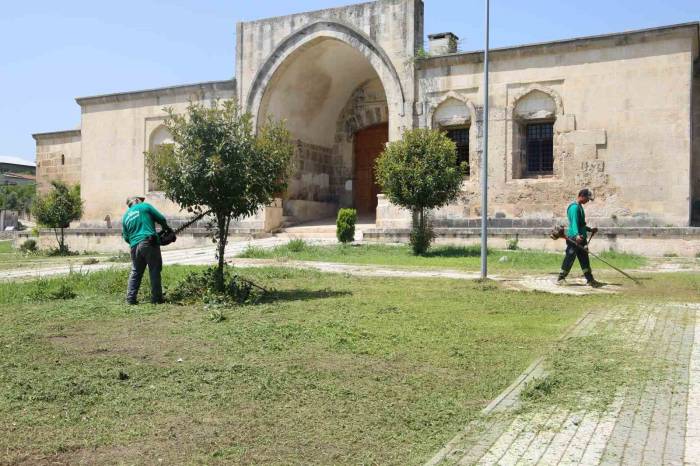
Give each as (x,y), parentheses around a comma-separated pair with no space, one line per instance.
(331,369)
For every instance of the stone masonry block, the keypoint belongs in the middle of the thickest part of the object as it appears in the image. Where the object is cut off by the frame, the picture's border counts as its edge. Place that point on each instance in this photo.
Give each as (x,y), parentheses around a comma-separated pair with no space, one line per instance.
(581,137)
(565,124)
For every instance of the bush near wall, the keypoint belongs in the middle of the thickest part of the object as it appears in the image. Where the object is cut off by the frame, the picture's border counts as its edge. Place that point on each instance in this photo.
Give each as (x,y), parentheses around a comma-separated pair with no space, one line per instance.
(345,225)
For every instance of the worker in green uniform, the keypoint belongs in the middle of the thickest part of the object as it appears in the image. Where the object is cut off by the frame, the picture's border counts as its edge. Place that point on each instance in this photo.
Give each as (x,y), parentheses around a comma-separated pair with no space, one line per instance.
(577,240)
(138,229)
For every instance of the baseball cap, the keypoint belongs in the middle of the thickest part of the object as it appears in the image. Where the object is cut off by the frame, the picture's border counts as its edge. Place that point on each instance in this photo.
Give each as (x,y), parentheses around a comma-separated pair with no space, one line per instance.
(130,200)
(585,192)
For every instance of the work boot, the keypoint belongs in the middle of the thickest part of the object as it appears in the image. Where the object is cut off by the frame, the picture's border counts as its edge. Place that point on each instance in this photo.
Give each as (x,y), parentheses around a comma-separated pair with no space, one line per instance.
(593,283)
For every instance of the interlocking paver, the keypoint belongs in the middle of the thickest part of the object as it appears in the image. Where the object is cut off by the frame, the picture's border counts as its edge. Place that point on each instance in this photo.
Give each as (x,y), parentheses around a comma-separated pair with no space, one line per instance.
(655,423)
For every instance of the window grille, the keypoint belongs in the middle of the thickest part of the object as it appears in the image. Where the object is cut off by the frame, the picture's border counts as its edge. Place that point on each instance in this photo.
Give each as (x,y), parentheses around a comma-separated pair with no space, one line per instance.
(540,148)
(460,136)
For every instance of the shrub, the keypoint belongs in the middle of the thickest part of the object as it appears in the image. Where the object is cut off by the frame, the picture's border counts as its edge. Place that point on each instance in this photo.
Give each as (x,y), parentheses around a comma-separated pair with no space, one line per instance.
(345,225)
(420,173)
(64,291)
(28,246)
(203,287)
(512,244)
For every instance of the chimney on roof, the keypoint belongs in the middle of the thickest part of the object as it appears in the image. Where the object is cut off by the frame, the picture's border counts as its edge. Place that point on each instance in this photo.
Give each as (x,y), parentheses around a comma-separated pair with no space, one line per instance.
(442,43)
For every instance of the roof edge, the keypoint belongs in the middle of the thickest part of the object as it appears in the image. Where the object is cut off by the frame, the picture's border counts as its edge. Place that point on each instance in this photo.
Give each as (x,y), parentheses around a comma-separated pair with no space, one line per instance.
(53,134)
(598,37)
(228,84)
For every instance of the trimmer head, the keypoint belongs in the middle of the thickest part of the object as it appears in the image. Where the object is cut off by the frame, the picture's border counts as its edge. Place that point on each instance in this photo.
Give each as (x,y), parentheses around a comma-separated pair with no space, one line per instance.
(558,232)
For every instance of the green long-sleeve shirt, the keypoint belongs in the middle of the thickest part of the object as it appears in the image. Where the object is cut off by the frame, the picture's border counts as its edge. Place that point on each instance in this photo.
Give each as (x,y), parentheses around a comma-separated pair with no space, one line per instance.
(577,221)
(138,223)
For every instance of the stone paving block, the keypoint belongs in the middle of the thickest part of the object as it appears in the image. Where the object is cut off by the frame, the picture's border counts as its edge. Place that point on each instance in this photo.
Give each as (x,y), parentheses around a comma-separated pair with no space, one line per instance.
(561,439)
(596,447)
(658,429)
(637,437)
(692,440)
(644,425)
(586,429)
(522,442)
(544,437)
(503,443)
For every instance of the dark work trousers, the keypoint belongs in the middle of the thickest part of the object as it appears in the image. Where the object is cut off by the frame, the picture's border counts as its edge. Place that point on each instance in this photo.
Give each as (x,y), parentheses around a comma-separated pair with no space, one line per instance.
(145,254)
(573,252)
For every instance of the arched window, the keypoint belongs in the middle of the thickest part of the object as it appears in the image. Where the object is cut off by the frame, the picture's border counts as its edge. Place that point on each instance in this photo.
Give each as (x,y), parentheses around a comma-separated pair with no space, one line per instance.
(534,115)
(453,117)
(159,138)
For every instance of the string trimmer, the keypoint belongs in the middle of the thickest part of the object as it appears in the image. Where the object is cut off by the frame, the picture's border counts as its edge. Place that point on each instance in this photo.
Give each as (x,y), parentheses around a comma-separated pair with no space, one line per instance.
(169,236)
(558,232)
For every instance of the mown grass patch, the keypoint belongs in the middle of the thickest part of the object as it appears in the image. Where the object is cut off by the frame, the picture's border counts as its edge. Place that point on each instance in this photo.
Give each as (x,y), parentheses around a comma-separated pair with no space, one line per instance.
(457,257)
(327,369)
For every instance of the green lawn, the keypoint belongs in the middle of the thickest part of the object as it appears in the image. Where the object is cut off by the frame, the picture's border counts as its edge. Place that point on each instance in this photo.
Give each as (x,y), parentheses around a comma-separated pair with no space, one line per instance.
(332,370)
(455,257)
(11,258)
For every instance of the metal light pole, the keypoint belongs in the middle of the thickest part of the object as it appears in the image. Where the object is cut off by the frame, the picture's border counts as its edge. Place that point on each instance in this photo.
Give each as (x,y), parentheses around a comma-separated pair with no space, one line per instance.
(485,157)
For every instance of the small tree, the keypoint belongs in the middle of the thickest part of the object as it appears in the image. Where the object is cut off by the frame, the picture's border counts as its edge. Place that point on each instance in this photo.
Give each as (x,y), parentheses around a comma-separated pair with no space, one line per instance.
(345,225)
(219,164)
(420,172)
(57,209)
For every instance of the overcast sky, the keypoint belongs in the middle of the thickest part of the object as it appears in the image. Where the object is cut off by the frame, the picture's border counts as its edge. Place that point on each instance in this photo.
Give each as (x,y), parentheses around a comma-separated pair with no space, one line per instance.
(53,51)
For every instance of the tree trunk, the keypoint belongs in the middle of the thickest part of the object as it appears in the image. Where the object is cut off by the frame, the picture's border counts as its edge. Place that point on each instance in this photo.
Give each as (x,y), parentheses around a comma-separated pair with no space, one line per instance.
(222,222)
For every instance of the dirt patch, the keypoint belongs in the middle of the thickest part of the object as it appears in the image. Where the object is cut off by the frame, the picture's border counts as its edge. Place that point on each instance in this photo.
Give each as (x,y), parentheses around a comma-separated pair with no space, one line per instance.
(151,340)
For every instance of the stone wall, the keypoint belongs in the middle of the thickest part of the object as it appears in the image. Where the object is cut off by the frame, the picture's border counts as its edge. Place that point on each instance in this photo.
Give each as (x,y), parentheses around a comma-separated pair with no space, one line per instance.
(386,33)
(58,157)
(316,174)
(116,131)
(622,126)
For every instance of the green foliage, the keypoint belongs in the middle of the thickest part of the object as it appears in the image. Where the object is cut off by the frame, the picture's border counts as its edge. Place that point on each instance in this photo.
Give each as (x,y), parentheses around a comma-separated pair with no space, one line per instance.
(421,53)
(513,244)
(57,209)
(420,172)
(296,245)
(203,287)
(19,197)
(422,235)
(28,246)
(219,163)
(345,225)
(44,290)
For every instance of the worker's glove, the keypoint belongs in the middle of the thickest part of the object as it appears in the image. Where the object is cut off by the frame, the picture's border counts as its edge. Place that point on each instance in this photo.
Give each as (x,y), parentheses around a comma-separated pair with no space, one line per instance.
(594,230)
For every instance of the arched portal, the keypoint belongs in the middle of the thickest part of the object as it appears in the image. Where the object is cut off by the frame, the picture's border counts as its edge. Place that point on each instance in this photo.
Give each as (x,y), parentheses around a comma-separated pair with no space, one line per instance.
(326,91)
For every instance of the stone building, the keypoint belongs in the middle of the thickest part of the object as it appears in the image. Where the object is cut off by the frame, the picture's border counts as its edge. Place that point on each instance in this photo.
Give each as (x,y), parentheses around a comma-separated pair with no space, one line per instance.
(619,113)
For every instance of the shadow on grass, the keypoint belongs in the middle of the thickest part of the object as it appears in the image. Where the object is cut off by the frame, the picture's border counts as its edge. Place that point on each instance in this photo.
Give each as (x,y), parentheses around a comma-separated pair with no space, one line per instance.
(454,251)
(301,295)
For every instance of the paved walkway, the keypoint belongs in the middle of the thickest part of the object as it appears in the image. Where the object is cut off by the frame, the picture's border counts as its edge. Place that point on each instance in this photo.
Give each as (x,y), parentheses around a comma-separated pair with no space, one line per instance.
(204,256)
(657,423)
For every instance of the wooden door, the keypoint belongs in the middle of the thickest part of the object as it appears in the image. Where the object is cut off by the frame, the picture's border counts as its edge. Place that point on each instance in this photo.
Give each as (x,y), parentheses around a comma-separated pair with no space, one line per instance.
(369,143)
